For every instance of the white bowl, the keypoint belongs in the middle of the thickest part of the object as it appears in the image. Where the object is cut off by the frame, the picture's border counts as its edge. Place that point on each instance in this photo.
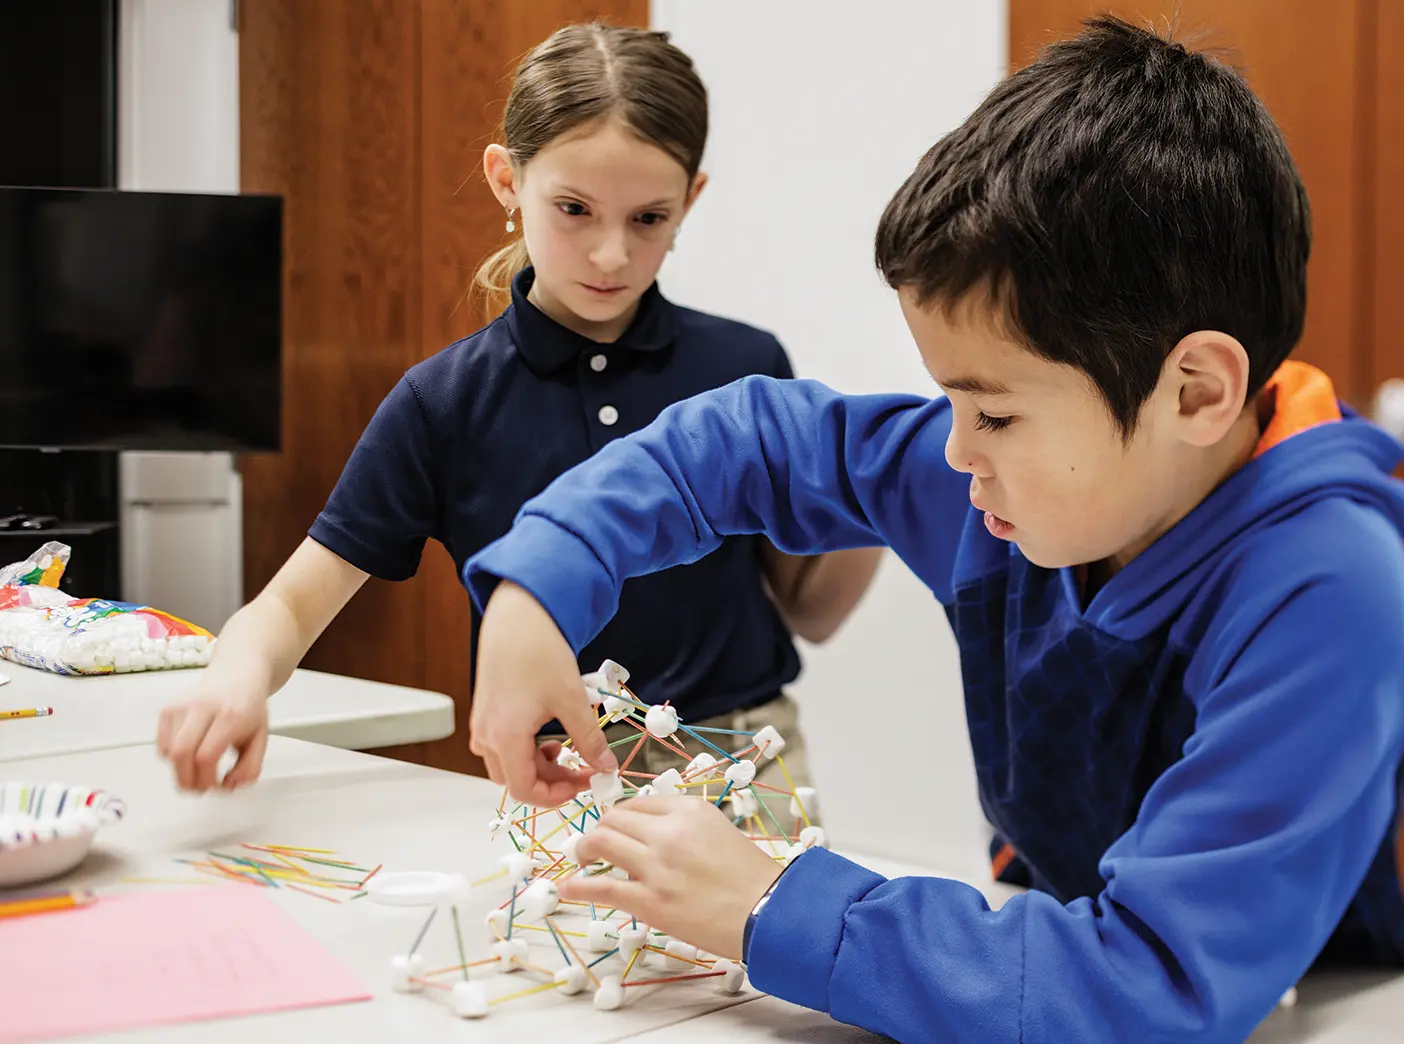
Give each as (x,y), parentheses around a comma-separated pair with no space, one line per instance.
(47,829)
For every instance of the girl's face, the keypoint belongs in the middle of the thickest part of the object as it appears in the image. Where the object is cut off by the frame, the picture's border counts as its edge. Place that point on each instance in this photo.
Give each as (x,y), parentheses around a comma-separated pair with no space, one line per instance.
(599,210)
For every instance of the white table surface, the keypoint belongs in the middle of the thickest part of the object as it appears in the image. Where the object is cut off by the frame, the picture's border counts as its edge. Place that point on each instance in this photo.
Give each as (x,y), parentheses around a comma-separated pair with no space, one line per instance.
(365,808)
(411,818)
(119,710)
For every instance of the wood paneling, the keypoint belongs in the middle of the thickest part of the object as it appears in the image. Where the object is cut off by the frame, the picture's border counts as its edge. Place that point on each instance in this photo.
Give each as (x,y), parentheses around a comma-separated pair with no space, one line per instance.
(1387,193)
(1304,58)
(370,119)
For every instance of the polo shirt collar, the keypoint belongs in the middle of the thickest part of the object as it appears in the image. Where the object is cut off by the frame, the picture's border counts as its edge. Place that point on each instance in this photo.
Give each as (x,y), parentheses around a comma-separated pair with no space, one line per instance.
(546,345)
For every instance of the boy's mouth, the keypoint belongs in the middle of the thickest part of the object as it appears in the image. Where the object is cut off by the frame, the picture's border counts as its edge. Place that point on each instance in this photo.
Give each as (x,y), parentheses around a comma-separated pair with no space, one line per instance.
(998,527)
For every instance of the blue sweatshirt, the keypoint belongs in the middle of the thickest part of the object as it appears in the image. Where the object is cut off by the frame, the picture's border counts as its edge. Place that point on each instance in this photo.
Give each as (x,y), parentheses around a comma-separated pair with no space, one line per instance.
(1201,766)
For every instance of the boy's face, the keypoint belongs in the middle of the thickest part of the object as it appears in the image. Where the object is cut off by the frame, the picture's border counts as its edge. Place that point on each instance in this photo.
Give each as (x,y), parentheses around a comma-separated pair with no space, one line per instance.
(1046,460)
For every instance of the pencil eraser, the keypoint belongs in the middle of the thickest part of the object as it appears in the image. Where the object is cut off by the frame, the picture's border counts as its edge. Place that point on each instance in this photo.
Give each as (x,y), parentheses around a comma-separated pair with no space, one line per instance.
(610,995)
(571,979)
(406,972)
(470,1000)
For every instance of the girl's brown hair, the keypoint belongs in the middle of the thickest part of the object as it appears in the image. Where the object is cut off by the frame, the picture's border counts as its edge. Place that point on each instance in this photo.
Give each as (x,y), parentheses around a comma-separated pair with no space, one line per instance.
(586,73)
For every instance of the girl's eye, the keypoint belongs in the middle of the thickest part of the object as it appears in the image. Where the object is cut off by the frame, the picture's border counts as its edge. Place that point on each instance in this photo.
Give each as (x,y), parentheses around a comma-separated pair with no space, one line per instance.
(573,209)
(652,218)
(984,422)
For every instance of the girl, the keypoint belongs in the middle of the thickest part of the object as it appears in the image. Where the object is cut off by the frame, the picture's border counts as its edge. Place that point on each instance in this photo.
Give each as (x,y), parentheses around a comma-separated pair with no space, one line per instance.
(602,140)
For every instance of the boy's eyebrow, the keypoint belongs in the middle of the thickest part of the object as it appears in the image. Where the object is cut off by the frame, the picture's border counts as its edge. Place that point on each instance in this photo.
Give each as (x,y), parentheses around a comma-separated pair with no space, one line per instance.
(566,190)
(974,386)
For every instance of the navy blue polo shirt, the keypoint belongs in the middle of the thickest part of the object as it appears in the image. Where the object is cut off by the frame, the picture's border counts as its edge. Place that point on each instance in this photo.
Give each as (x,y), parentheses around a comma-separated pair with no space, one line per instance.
(470,434)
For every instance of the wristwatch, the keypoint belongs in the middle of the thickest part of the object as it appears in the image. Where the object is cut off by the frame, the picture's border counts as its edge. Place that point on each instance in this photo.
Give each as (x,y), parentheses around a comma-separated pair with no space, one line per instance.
(755,912)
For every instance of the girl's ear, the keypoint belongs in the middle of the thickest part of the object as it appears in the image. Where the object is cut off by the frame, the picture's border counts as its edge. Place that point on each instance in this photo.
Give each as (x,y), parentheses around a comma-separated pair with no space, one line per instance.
(698,184)
(501,175)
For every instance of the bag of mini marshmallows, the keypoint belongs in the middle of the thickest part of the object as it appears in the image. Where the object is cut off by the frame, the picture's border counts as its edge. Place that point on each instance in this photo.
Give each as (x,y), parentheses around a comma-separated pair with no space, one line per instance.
(42,627)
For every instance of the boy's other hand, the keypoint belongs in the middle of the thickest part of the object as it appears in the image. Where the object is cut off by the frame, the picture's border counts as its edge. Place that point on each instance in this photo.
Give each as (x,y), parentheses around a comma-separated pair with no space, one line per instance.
(194,734)
(693,875)
(527,675)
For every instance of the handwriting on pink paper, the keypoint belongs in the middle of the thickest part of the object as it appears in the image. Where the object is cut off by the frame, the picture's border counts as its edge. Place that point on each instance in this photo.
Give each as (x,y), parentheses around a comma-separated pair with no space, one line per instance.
(179,956)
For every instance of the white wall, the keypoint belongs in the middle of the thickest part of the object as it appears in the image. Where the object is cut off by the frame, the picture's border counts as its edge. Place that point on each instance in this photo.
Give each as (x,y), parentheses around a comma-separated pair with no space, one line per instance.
(178,131)
(817,116)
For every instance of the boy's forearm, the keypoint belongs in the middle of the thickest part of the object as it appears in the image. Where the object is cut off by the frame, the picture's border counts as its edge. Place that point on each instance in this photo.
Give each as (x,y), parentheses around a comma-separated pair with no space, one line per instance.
(260,646)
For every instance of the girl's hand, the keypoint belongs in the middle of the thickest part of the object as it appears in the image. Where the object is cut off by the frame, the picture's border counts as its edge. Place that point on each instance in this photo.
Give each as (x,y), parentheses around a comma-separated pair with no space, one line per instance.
(692,874)
(528,675)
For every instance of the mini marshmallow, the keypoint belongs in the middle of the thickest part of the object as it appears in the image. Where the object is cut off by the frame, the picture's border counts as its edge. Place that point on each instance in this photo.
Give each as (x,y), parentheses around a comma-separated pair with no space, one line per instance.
(470,1000)
(539,900)
(570,758)
(607,788)
(189,658)
(741,773)
(743,804)
(610,995)
(733,975)
(700,767)
(807,797)
(599,938)
(680,956)
(570,845)
(572,979)
(644,791)
(631,940)
(669,782)
(1289,999)
(404,969)
(497,922)
(793,853)
(661,721)
(617,708)
(769,741)
(496,823)
(518,865)
(510,953)
(813,837)
(610,678)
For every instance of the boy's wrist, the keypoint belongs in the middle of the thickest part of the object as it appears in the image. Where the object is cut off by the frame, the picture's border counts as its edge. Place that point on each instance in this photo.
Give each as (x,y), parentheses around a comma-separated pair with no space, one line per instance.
(754,916)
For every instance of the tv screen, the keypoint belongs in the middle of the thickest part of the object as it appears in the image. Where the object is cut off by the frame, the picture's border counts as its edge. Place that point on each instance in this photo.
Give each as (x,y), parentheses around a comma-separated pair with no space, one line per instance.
(140,320)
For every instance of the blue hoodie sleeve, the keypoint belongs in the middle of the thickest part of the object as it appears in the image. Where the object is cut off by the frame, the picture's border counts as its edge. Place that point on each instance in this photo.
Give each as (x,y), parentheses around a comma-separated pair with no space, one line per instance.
(809,468)
(1241,862)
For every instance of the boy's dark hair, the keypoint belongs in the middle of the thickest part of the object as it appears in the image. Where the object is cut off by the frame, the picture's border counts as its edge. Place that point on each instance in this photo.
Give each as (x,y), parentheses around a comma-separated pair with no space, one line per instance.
(1117,194)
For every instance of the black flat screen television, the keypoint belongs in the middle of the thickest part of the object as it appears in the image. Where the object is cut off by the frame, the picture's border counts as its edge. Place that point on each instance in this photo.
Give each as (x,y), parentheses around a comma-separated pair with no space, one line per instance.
(140,320)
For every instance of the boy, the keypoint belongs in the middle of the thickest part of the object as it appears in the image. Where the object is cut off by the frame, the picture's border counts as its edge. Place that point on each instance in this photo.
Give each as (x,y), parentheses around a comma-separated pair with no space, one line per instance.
(1172,562)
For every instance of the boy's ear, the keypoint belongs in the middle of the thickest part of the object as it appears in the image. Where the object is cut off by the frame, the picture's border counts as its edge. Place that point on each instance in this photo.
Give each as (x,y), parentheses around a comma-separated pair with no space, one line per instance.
(1208,372)
(501,175)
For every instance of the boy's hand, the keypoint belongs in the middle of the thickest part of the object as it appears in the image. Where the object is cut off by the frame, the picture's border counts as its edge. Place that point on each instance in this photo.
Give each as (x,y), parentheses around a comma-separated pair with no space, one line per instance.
(194,734)
(693,874)
(527,676)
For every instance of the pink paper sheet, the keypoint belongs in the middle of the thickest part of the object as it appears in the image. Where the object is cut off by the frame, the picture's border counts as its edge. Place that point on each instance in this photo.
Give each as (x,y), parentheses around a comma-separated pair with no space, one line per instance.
(159,957)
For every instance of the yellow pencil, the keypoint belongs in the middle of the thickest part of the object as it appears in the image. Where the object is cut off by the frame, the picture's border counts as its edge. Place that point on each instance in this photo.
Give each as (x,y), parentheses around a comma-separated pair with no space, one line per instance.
(28,712)
(45,903)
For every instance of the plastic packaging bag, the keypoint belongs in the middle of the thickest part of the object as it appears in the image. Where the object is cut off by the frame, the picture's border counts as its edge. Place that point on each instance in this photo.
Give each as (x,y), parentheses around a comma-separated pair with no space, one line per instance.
(43,627)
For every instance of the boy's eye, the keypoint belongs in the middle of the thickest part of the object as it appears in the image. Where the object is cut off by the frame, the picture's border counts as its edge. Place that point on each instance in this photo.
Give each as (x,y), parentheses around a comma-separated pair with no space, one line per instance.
(573,208)
(984,422)
(652,218)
